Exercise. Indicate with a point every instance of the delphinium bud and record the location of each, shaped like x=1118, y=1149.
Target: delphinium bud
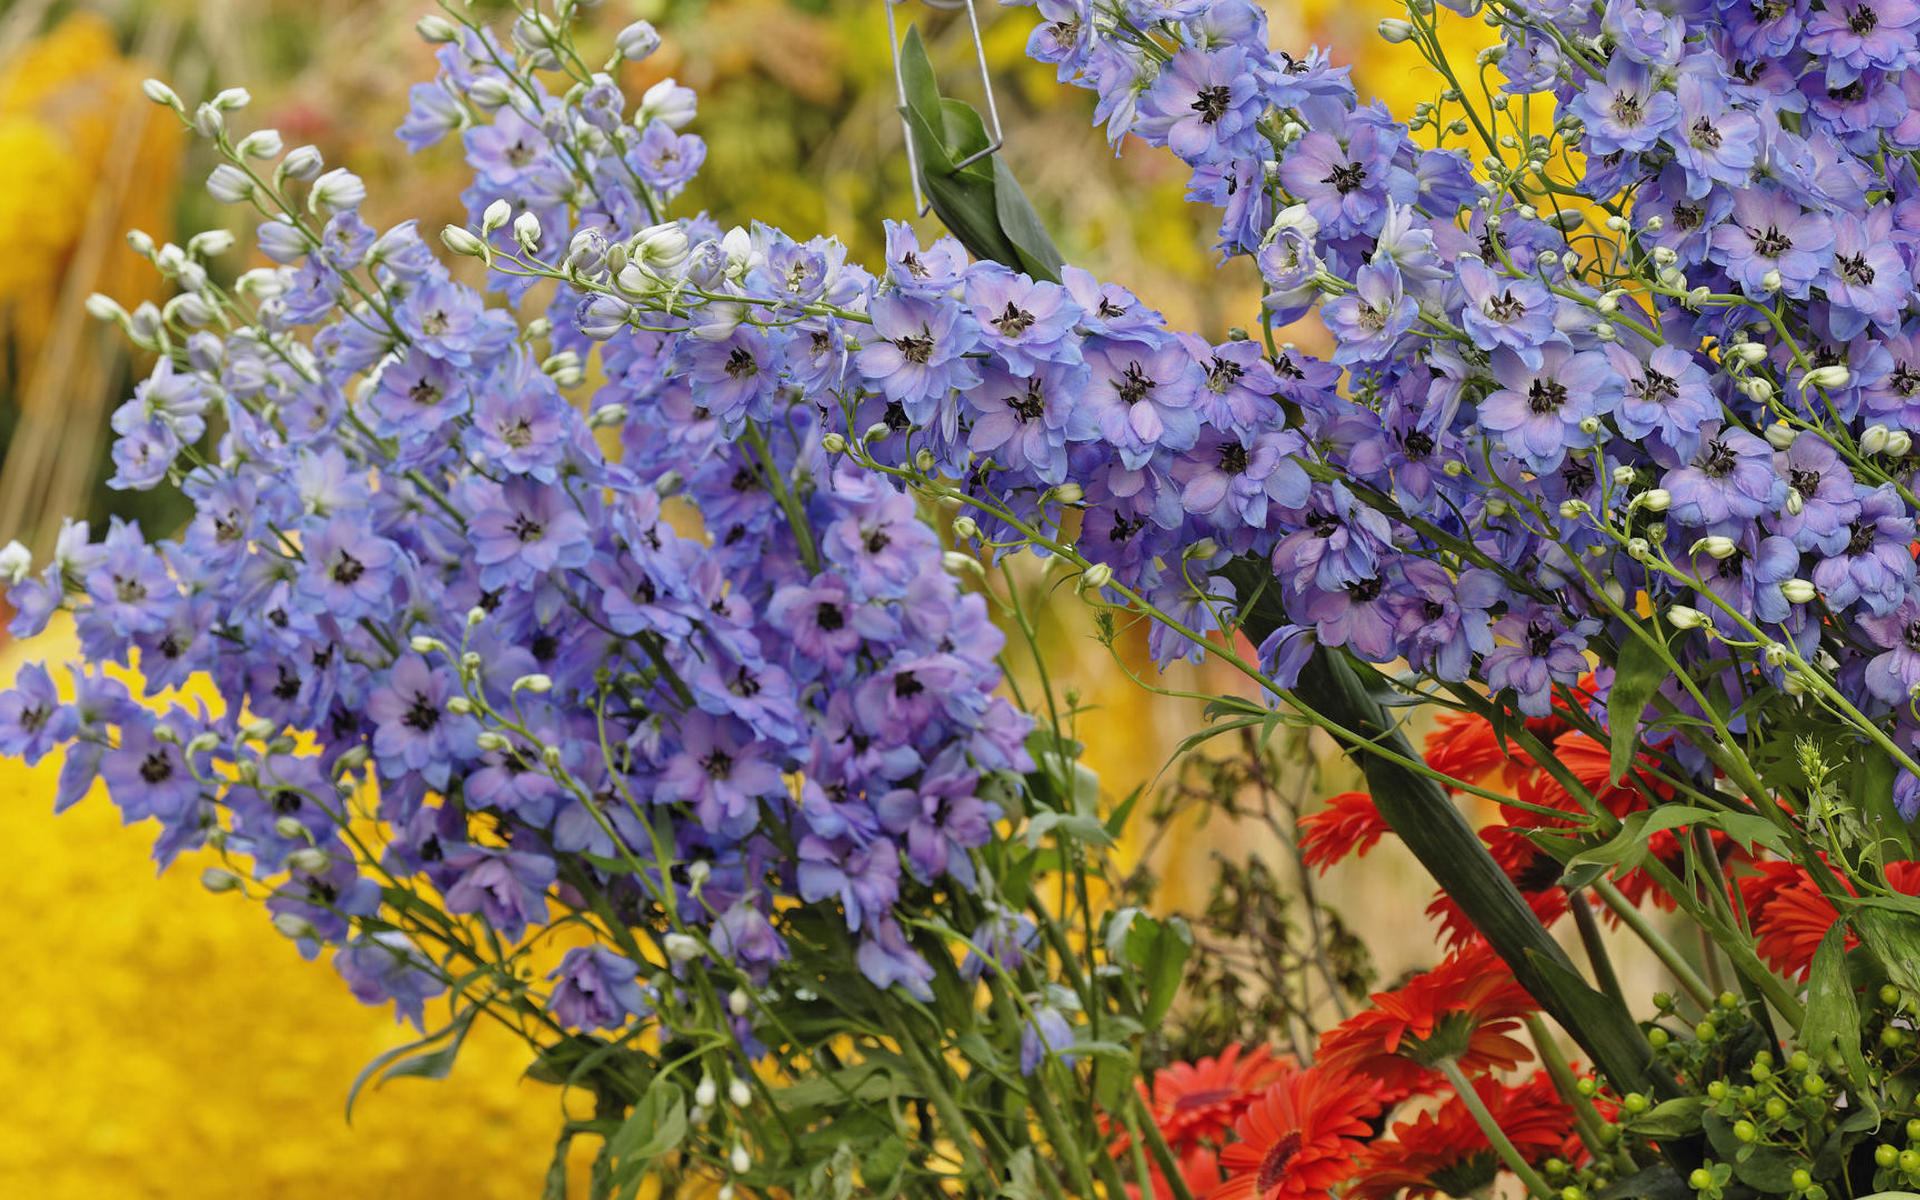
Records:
x=637, y=41
x=293, y=925
x=337, y=191
x=706, y=1092
x=1655, y=499
x=833, y=443
x=1395, y=30
x=739, y=1159
x=1771, y=281
x=496, y=215
x=738, y=1001
x=106, y=308
x=160, y=93
x=436, y=29
x=217, y=880
x=229, y=184
x=208, y=121
x=1835, y=376
x=1873, y=439
x=1682, y=616
x=526, y=231
x=303, y=163
x=1718, y=546
x=1098, y=575
x=668, y=103
x=1750, y=354
x=463, y=242
x=1899, y=442
x=16, y=562
x=261, y=143
x=1795, y=502
x=680, y=947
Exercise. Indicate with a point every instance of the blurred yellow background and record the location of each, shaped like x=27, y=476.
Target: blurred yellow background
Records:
x=162, y=1042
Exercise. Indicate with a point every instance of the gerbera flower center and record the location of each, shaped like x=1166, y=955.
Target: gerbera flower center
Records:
x=1273, y=1168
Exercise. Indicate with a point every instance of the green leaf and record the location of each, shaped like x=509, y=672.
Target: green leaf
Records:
x=867, y=1082
x=1038, y=255
x=1068, y=826
x=1658, y=1182
x=1626, y=849
x=1833, y=1012
x=1159, y=949
x=656, y=1126
x=1766, y=1169
x=1677, y=1117
x=1891, y=931
x=423, y=1063
x=1023, y=1181
x=1638, y=672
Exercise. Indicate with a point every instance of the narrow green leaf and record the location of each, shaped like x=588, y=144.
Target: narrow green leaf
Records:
x=382, y=1064
x=1638, y=673
x=1039, y=257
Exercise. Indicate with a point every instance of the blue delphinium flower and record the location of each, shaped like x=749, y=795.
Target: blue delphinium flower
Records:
x=1200, y=102
x=1731, y=477
x=385, y=967
x=1541, y=649
x=597, y=989
x=1141, y=396
x=918, y=355
x=32, y=717
x=1369, y=322
x=1874, y=567
x=1770, y=234
x=1503, y=311
x=1625, y=111
x=1539, y=411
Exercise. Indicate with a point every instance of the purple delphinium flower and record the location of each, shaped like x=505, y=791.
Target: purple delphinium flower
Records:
x=1892, y=675
x=1440, y=622
x=506, y=887
x=1231, y=482
x=414, y=731
x=598, y=989
x=745, y=937
x=1337, y=540
x=1539, y=410
x=416, y=396
x=1359, y=616
x=885, y=959
x=1667, y=397
x=385, y=966
x=1625, y=112
x=1342, y=184
x=666, y=160
x=1541, y=649
x=1731, y=477
x=1770, y=232
x=1201, y=103
x=1855, y=36
x=1713, y=142
x=351, y=571
x=1748, y=580
x=1021, y=422
x=1829, y=500
x=1141, y=396
x=1368, y=322
x=1023, y=320
x=1874, y=567
x=520, y=421
x=1046, y=1035
x=522, y=526
x=32, y=718
x=1501, y=310
x=722, y=771
x=1868, y=281
x=147, y=777
x=918, y=355
x=865, y=878
x=731, y=377
x=826, y=624
x=940, y=818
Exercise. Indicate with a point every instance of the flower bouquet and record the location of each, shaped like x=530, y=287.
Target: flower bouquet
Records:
x=605, y=636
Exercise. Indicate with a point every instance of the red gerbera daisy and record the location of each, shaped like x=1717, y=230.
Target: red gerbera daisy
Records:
x=1348, y=825
x=1199, y=1101
x=1463, y=1009
x=1199, y=1168
x=1790, y=915
x=1299, y=1138
x=1444, y=1152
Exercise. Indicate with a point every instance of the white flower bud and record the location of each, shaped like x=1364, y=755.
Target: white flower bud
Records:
x=217, y=880
x=1607, y=304
x=833, y=443
x=436, y=29
x=680, y=947
x=526, y=230
x=160, y=93
x=463, y=242
x=1781, y=435
x=1574, y=509
x=1098, y=575
x=739, y=1159
x=261, y=143
x=1497, y=506
x=231, y=99
x=1899, y=442
x=290, y=827
x=1757, y=389
x=303, y=163
x=1771, y=281
x=738, y=1002
x=475, y=615
x=229, y=184
x=1655, y=499
x=1638, y=549
x=459, y=706
x=1683, y=617
x=208, y=121
x=1795, y=502
x=660, y=248
x=1799, y=591
x=424, y=644
x=1623, y=477
x=106, y=308
x=1750, y=354
x=489, y=92
x=1717, y=546
x=16, y=562
x=188, y=310
x=308, y=858
x=668, y=103
x=698, y=871
x=489, y=740
x=1775, y=654
x=1206, y=547
x=739, y=1093
x=957, y=563
x=1656, y=223
x=637, y=41
x=1605, y=332
x=293, y=925
x=1792, y=684
x=923, y=461
x=1874, y=439
x=1663, y=257
x=706, y=1092
x=336, y=191
x=533, y=683
x=607, y=416
x=1067, y=493
x=1835, y=376
x=1396, y=31
x=1589, y=425
x=495, y=216
x=965, y=528
x=211, y=243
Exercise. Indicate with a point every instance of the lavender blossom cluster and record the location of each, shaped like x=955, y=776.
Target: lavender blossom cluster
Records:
x=460, y=650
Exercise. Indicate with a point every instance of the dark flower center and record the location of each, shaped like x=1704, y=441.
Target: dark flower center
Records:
x=877, y=541
x=1029, y=407
x=744, y=684
x=1418, y=445
x=422, y=715
x=1323, y=524
x=128, y=591
x=1657, y=388
x=1863, y=19
x=1848, y=94
x=1861, y=537
x=285, y=802
x=1013, y=322
x=1273, y=1168
x=1704, y=134
x=1854, y=269
x=1348, y=177
x=1626, y=108
x=1125, y=527
x=911, y=262
x=829, y=617
x=156, y=767
x=906, y=686
x=740, y=364
x=286, y=684
x=1545, y=396
x=1212, y=103
x=1505, y=307
x=1134, y=385
x=1433, y=610
x=1109, y=311
x=1233, y=458
x=895, y=416
x=1719, y=460
x=718, y=764
x=1366, y=591
x=1910, y=636
x=424, y=393
x=1906, y=380
x=526, y=528
x=1803, y=481
x=348, y=569
x=1539, y=640
x=1688, y=216
x=35, y=719
x=916, y=348
x=1770, y=243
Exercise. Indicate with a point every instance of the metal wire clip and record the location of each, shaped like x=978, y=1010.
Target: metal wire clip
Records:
x=920, y=202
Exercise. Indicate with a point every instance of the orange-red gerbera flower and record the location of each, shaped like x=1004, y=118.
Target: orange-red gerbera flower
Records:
x=1199, y=1101
x=1199, y=1168
x=1444, y=1152
x=1790, y=915
x=1463, y=1009
x=1299, y=1138
x=1348, y=825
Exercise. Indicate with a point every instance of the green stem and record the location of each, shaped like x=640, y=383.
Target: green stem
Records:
x=1664, y=950
x=1502, y=1144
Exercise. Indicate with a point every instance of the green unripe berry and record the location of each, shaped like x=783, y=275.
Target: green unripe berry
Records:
x=1799, y=1061
x=1802, y=1180
x=1762, y=1071
x=1717, y=1089
x=1749, y=1096
x=1913, y=1130
x=1704, y=1031
x=1816, y=1192
x=1909, y=1161
x=1889, y=995
x=1555, y=1166
x=1746, y=1131
x=1634, y=1103
x=1728, y=1001
x=1891, y=1037
x=1658, y=1038
x=1609, y=1134
x=1763, y=1059
x=1571, y=1192
x=1813, y=1085
x=1776, y=1108
x=1885, y=1155
x=1586, y=1087
x=1700, y=1180
x=1663, y=1000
